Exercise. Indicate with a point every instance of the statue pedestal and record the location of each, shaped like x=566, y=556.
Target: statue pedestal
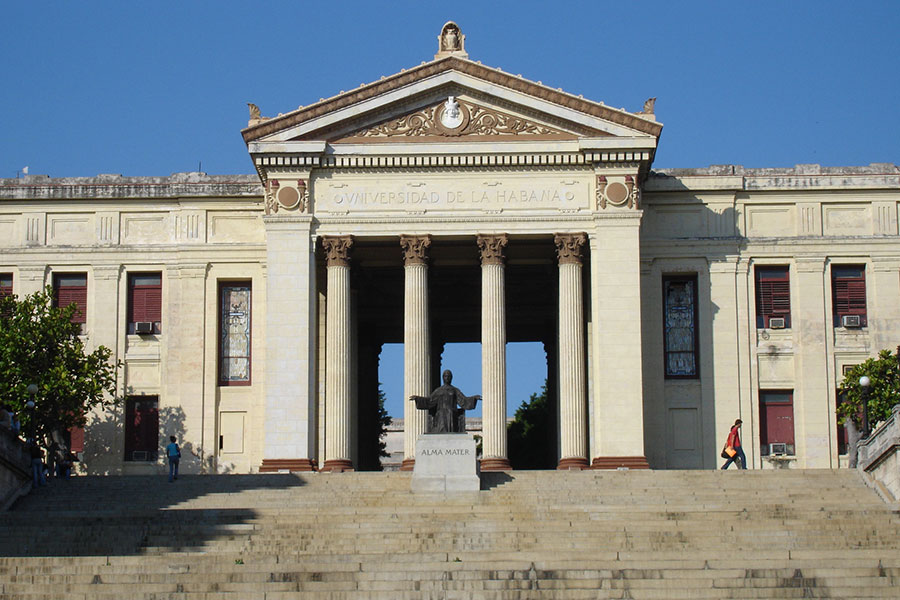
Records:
x=445, y=462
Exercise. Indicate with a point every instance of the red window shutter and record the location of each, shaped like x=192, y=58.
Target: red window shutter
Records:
x=850, y=297
x=76, y=437
x=146, y=304
x=73, y=295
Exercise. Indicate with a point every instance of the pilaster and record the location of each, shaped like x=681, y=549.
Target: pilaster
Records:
x=720, y=384
x=290, y=344
x=884, y=308
x=183, y=385
x=617, y=377
x=812, y=388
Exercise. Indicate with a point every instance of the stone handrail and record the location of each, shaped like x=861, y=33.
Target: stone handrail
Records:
x=879, y=454
x=15, y=468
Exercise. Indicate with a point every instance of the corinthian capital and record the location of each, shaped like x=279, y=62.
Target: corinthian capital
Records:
x=337, y=250
x=415, y=249
x=491, y=247
x=568, y=247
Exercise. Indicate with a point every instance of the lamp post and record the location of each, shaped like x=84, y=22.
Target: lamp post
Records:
x=32, y=390
x=864, y=383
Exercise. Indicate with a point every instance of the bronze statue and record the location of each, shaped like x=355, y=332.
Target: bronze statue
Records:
x=446, y=407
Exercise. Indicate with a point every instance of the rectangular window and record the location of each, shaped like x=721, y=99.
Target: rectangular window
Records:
x=773, y=297
x=680, y=326
x=145, y=302
x=71, y=288
x=848, y=287
x=142, y=428
x=6, y=280
x=776, y=422
x=234, y=333
x=841, y=430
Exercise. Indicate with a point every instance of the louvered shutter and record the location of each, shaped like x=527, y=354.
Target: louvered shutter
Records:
x=72, y=294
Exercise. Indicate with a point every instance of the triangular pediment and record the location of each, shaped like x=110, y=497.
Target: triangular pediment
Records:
x=458, y=118
x=414, y=106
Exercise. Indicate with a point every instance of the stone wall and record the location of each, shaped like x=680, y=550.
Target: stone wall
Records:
x=879, y=456
x=15, y=468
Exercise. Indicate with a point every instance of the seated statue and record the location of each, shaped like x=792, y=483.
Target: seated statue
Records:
x=446, y=407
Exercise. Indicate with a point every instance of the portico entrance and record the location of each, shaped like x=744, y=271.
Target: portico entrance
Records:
x=452, y=203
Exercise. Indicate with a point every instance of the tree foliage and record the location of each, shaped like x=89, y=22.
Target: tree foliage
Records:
x=531, y=434
x=373, y=423
x=39, y=344
x=884, y=389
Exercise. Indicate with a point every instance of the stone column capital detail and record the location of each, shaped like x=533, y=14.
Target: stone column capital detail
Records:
x=569, y=246
x=491, y=247
x=415, y=249
x=337, y=250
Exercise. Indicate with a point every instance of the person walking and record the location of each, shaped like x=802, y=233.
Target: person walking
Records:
x=37, y=465
x=173, y=452
x=734, y=442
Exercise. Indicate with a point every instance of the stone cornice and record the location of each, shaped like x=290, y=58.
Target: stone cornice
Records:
x=116, y=187
x=800, y=177
x=430, y=69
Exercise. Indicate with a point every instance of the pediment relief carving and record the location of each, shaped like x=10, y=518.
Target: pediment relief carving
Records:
x=456, y=118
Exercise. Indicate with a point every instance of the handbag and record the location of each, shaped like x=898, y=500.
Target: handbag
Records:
x=728, y=452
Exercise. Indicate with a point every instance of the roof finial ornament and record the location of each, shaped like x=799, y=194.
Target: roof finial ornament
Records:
x=451, y=42
x=649, y=106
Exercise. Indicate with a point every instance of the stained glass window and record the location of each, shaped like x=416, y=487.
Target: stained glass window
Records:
x=234, y=334
x=680, y=295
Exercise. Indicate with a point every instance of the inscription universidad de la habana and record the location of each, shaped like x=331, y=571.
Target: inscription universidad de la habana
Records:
x=491, y=197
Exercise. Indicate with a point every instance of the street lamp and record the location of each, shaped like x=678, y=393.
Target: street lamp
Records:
x=864, y=383
x=32, y=390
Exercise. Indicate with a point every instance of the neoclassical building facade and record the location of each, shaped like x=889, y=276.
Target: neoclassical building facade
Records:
x=453, y=202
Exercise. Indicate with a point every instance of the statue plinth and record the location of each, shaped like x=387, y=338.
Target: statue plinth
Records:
x=445, y=462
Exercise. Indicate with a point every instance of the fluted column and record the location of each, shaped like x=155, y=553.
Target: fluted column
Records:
x=338, y=355
x=493, y=352
x=572, y=390
x=416, y=343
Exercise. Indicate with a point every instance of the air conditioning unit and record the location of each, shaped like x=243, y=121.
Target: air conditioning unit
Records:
x=777, y=448
x=143, y=327
x=777, y=323
x=851, y=321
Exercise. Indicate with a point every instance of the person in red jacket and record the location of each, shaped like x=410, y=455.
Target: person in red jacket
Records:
x=734, y=441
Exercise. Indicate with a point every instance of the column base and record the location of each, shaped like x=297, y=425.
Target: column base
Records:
x=408, y=464
x=620, y=462
x=274, y=465
x=337, y=465
x=495, y=464
x=573, y=464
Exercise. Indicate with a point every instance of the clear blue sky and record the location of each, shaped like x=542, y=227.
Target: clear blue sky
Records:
x=151, y=88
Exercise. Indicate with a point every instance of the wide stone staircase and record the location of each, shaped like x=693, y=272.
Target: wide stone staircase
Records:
x=525, y=535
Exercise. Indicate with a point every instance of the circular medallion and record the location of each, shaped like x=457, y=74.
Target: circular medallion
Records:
x=452, y=117
x=617, y=193
x=288, y=197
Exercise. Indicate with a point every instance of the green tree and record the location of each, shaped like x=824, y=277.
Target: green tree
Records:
x=531, y=434
x=883, y=393
x=373, y=427
x=40, y=345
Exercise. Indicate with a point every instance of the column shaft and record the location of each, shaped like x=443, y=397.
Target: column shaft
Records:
x=493, y=353
x=416, y=342
x=338, y=358
x=416, y=357
x=572, y=381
